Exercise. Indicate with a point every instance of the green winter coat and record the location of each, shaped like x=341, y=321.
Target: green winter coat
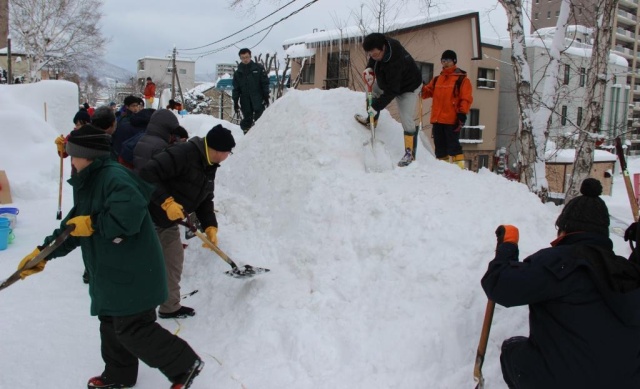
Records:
x=123, y=256
x=250, y=85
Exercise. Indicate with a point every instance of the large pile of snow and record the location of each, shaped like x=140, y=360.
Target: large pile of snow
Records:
x=375, y=277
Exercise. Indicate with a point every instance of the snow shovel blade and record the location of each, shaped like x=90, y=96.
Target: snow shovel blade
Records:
x=376, y=157
x=248, y=272
x=40, y=257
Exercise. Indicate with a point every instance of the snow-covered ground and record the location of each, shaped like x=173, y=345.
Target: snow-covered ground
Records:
x=375, y=277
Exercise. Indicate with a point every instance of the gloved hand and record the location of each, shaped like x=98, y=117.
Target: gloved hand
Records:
x=507, y=234
x=36, y=269
x=368, y=76
x=630, y=233
x=83, y=226
x=265, y=101
x=424, y=92
x=61, y=142
x=372, y=111
x=212, y=234
x=236, y=107
x=174, y=210
x=462, y=118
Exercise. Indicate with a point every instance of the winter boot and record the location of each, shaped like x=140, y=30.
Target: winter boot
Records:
x=458, y=160
x=184, y=381
x=445, y=159
x=101, y=382
x=181, y=313
x=409, y=149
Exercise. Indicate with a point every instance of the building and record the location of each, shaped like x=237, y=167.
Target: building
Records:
x=225, y=68
x=624, y=43
x=160, y=70
x=335, y=58
x=4, y=22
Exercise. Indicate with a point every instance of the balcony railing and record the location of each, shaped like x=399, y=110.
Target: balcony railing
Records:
x=471, y=134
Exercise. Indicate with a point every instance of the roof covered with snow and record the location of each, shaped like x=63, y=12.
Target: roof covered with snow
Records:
x=569, y=155
x=357, y=31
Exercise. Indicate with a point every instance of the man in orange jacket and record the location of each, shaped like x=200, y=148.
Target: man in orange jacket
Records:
x=452, y=99
x=149, y=93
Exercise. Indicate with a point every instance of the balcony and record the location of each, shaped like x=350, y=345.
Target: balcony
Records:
x=627, y=18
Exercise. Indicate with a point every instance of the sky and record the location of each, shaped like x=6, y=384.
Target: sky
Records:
x=136, y=29
x=375, y=277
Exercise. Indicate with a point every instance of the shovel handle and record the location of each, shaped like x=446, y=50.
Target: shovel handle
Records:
x=482, y=345
x=208, y=242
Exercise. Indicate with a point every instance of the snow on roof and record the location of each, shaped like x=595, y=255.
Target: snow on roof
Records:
x=166, y=59
x=569, y=155
x=203, y=87
x=357, y=31
x=14, y=51
x=299, y=51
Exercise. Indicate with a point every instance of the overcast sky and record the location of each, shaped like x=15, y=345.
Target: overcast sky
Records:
x=138, y=29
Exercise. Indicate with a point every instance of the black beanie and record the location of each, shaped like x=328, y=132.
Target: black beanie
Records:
x=586, y=213
x=450, y=54
x=220, y=139
x=82, y=115
x=88, y=142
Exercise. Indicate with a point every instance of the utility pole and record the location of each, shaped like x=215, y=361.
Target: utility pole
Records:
x=173, y=75
x=9, y=75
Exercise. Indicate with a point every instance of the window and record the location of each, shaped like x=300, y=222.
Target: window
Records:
x=548, y=14
x=536, y=16
x=426, y=69
x=182, y=71
x=579, y=118
x=472, y=129
x=563, y=118
x=567, y=73
x=557, y=13
x=140, y=65
x=338, y=66
x=486, y=78
x=169, y=70
x=583, y=76
x=308, y=75
x=483, y=161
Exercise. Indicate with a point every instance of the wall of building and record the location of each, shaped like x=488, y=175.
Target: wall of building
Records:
x=159, y=70
x=4, y=22
x=558, y=176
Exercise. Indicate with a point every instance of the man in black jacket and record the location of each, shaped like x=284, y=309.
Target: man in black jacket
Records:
x=584, y=303
x=394, y=75
x=250, y=90
x=184, y=177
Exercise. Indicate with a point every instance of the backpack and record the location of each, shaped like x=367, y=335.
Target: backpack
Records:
x=456, y=87
x=126, y=154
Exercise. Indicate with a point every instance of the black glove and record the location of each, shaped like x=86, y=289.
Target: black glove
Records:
x=462, y=118
x=630, y=233
x=265, y=100
x=236, y=107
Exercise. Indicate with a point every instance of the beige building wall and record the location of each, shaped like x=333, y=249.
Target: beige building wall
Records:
x=4, y=22
x=558, y=176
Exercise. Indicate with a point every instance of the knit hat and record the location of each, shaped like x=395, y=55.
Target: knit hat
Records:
x=88, y=142
x=220, y=139
x=450, y=54
x=82, y=115
x=586, y=213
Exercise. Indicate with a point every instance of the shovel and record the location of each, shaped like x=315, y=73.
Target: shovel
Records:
x=247, y=272
x=376, y=158
x=482, y=346
x=40, y=257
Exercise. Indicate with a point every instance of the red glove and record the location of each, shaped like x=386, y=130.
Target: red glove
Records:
x=507, y=233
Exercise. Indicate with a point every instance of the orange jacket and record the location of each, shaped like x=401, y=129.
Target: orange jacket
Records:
x=150, y=90
x=446, y=105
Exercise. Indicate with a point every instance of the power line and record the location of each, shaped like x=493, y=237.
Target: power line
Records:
x=204, y=54
x=237, y=32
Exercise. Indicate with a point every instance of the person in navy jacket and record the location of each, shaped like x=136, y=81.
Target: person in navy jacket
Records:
x=584, y=303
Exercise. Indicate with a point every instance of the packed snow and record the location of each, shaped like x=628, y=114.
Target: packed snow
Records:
x=375, y=277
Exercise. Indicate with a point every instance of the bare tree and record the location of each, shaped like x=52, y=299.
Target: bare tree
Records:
x=596, y=87
x=60, y=33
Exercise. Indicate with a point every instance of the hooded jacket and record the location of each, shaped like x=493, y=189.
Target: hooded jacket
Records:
x=584, y=313
x=448, y=101
x=156, y=138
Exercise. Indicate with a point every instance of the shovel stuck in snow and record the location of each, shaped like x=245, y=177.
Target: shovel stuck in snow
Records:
x=376, y=158
x=482, y=345
x=40, y=257
x=247, y=272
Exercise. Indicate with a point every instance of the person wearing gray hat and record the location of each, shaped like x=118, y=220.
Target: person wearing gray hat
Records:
x=584, y=303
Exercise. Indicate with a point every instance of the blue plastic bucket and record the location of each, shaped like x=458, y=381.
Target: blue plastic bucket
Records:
x=11, y=214
x=4, y=237
x=11, y=210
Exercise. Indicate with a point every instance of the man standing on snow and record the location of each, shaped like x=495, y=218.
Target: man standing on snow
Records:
x=394, y=75
x=149, y=93
x=584, y=303
x=452, y=99
x=250, y=89
x=127, y=277
x=184, y=176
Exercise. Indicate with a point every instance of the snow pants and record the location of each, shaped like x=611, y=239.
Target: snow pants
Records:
x=406, y=108
x=250, y=114
x=173, y=260
x=127, y=339
x=446, y=140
